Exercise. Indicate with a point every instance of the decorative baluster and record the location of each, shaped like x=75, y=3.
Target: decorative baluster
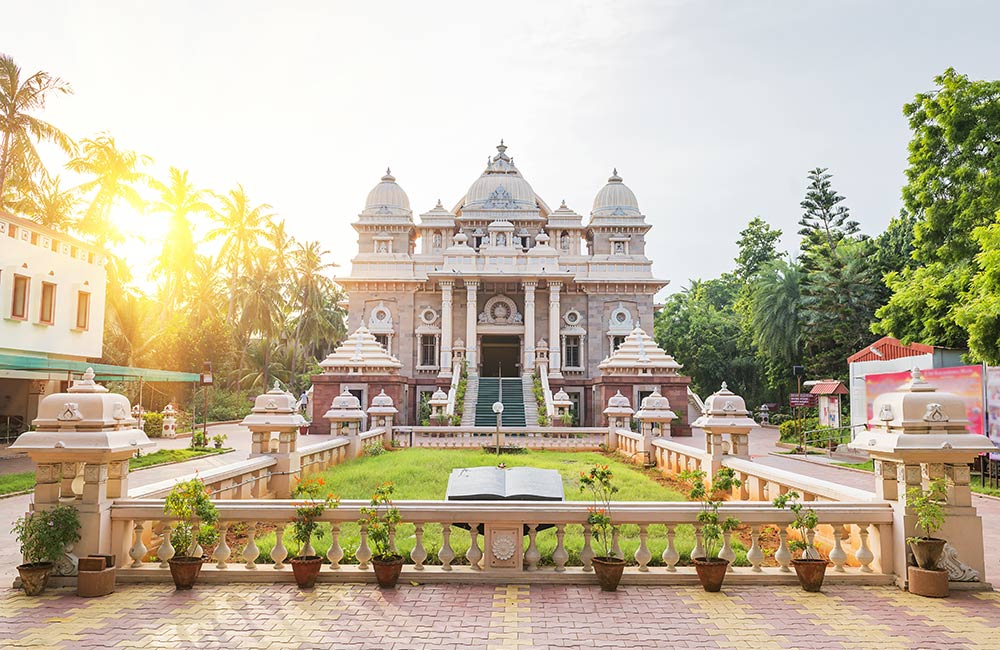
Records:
x=251, y=551
x=838, y=556
x=670, y=555
x=755, y=556
x=864, y=555
x=419, y=553
x=196, y=550
x=642, y=554
x=474, y=555
x=783, y=556
x=335, y=553
x=727, y=552
x=167, y=549
x=560, y=556
x=138, y=550
x=616, y=549
x=699, y=544
x=532, y=555
x=222, y=550
x=363, y=554
x=446, y=554
x=279, y=552
x=811, y=552
x=587, y=553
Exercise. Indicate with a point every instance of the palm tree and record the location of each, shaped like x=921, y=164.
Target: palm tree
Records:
x=204, y=290
x=115, y=172
x=134, y=326
x=48, y=203
x=775, y=301
x=18, y=99
x=309, y=286
x=241, y=227
x=179, y=200
x=263, y=302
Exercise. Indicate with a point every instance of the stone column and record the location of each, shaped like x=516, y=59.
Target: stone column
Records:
x=555, y=354
x=445, y=349
x=529, y=327
x=471, y=319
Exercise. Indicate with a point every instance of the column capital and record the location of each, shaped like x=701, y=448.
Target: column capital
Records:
x=471, y=285
x=555, y=286
x=530, y=285
x=446, y=284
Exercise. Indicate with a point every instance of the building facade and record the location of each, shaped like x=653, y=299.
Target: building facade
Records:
x=52, y=294
x=502, y=279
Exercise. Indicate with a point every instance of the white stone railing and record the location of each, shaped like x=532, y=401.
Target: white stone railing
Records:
x=862, y=552
x=456, y=378
x=531, y=437
x=543, y=377
x=245, y=479
x=673, y=457
x=628, y=443
x=763, y=483
x=317, y=457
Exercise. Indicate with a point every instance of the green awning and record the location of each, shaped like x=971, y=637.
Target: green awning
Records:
x=102, y=371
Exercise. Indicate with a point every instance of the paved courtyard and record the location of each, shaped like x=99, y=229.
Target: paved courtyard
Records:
x=443, y=617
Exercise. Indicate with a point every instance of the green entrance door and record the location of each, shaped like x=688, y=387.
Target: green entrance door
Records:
x=501, y=356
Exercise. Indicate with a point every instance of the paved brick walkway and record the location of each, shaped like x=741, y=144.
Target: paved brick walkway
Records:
x=443, y=617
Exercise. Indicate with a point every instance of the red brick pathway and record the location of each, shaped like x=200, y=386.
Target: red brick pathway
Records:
x=444, y=617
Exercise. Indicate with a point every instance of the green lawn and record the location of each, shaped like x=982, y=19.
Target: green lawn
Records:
x=869, y=466
x=11, y=483
x=423, y=474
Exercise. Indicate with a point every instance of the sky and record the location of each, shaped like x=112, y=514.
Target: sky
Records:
x=713, y=112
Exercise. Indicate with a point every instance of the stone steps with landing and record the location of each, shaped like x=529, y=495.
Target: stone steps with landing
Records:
x=469, y=406
x=511, y=396
x=530, y=405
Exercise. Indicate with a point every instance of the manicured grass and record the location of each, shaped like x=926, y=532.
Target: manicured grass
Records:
x=869, y=466
x=423, y=474
x=11, y=483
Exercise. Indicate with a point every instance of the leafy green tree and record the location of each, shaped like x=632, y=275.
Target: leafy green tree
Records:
x=825, y=221
x=179, y=201
x=757, y=247
x=19, y=100
x=979, y=312
x=241, y=228
x=775, y=319
x=46, y=202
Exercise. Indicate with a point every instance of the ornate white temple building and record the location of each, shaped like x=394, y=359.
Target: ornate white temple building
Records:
x=504, y=281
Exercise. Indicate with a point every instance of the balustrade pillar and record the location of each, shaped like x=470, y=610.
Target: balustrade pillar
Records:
x=471, y=320
x=447, y=287
x=529, y=327
x=555, y=354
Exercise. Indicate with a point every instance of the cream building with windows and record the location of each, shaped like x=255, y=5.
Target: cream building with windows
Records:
x=504, y=280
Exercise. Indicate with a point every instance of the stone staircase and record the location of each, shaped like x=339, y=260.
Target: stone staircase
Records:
x=530, y=405
x=512, y=398
x=469, y=406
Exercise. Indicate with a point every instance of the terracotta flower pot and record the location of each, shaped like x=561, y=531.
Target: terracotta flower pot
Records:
x=306, y=568
x=387, y=570
x=711, y=572
x=609, y=572
x=932, y=583
x=927, y=552
x=34, y=577
x=810, y=572
x=184, y=570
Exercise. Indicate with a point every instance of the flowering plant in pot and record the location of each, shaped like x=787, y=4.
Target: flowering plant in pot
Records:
x=43, y=536
x=710, y=567
x=380, y=521
x=810, y=566
x=928, y=506
x=306, y=564
x=607, y=567
x=189, y=503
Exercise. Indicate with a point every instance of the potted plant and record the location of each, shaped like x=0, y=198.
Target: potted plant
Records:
x=380, y=520
x=711, y=568
x=810, y=566
x=607, y=567
x=306, y=564
x=219, y=439
x=188, y=502
x=43, y=536
x=926, y=579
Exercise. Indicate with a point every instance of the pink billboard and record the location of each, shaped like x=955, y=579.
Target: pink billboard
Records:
x=964, y=381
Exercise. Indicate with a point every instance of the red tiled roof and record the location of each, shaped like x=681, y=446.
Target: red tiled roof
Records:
x=829, y=387
x=889, y=348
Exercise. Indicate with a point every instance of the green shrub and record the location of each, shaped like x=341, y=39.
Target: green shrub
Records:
x=45, y=534
x=374, y=448
x=153, y=424
x=789, y=430
x=779, y=418
x=424, y=412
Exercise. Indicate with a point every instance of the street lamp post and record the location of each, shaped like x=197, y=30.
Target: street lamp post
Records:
x=206, y=381
x=498, y=409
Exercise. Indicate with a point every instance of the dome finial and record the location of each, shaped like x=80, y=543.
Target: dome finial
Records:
x=615, y=178
x=388, y=175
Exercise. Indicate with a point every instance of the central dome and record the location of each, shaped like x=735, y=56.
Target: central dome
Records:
x=388, y=198
x=501, y=187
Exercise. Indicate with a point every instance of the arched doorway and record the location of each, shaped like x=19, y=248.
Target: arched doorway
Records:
x=501, y=356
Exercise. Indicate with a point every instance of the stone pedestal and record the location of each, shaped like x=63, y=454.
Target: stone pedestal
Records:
x=346, y=418
x=275, y=413
x=503, y=547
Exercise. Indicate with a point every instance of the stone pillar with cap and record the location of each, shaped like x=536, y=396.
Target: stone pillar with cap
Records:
x=93, y=431
x=169, y=421
x=561, y=404
x=726, y=414
x=529, y=326
x=619, y=413
x=922, y=434
x=381, y=414
x=654, y=416
x=438, y=403
x=447, y=288
x=346, y=419
x=276, y=412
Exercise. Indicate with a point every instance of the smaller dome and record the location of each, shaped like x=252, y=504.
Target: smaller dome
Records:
x=618, y=405
x=388, y=199
x=439, y=397
x=382, y=405
x=655, y=402
x=615, y=199
x=725, y=402
x=345, y=408
x=382, y=399
x=346, y=401
x=561, y=398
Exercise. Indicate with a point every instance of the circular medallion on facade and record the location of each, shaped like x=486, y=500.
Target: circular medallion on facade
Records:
x=503, y=546
x=500, y=311
x=572, y=317
x=428, y=315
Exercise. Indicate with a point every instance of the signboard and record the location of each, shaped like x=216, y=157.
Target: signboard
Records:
x=796, y=400
x=829, y=411
x=993, y=404
x=964, y=381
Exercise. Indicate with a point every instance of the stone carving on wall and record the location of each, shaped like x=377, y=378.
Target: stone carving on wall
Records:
x=71, y=411
x=500, y=199
x=958, y=571
x=380, y=319
x=500, y=310
x=621, y=320
x=503, y=546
